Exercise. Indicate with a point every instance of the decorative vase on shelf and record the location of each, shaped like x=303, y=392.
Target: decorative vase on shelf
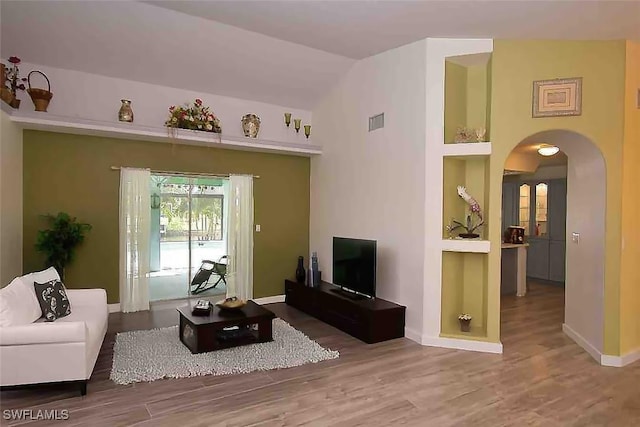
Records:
x=465, y=322
x=40, y=97
x=5, y=92
x=6, y=95
x=251, y=125
x=301, y=274
x=469, y=235
x=15, y=102
x=125, y=114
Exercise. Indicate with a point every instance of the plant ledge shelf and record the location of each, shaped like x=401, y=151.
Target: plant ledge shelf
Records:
x=78, y=126
x=466, y=149
x=466, y=245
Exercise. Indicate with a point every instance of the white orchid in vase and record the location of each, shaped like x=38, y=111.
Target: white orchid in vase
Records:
x=470, y=224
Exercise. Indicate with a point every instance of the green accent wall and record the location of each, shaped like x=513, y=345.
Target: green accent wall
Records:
x=477, y=96
x=515, y=65
x=464, y=275
x=629, y=272
x=71, y=173
x=467, y=98
x=455, y=99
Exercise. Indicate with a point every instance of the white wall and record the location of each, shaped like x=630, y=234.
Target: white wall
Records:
x=10, y=200
x=437, y=50
x=96, y=97
x=586, y=192
x=586, y=208
x=371, y=184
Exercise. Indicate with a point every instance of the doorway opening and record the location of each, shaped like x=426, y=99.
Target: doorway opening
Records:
x=558, y=202
x=188, y=231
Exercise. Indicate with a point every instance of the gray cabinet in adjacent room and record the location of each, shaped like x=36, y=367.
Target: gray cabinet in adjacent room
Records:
x=538, y=258
x=541, y=207
x=557, y=209
x=510, y=194
x=557, y=261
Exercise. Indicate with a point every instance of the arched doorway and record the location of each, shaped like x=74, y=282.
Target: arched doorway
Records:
x=584, y=231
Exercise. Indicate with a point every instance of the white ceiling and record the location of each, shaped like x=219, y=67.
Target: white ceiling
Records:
x=283, y=52
x=357, y=29
x=141, y=42
x=531, y=147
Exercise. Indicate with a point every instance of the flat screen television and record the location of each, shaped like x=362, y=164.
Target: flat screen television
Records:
x=354, y=265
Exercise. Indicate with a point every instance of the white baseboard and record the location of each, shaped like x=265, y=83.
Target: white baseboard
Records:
x=269, y=300
x=461, y=344
x=620, y=361
x=114, y=308
x=582, y=342
x=412, y=335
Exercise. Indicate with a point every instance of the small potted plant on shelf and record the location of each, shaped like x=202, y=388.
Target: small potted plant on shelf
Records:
x=194, y=117
x=473, y=220
x=465, y=322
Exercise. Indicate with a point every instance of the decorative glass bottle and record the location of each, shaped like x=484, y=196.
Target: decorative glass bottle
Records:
x=125, y=114
x=300, y=271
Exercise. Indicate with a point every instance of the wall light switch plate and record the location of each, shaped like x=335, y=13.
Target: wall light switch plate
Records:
x=575, y=238
x=257, y=228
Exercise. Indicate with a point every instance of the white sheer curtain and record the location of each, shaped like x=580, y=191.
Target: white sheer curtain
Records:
x=135, y=230
x=240, y=237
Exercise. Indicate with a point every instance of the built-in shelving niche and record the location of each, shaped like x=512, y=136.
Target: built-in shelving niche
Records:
x=464, y=290
x=465, y=262
x=467, y=94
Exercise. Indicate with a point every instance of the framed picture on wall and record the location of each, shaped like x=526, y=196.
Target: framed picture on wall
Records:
x=557, y=97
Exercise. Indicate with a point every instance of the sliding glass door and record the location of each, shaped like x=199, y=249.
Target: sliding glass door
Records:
x=188, y=231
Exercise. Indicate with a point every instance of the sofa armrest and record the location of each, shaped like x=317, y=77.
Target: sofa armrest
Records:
x=95, y=296
x=43, y=333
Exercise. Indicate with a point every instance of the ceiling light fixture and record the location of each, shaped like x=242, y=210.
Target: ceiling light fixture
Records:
x=548, y=150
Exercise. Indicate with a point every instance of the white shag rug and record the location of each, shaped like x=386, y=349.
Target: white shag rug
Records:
x=140, y=356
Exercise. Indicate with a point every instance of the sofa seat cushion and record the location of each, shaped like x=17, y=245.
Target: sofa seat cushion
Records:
x=87, y=314
x=95, y=319
x=43, y=333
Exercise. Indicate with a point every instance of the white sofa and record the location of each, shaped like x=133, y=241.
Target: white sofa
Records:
x=33, y=351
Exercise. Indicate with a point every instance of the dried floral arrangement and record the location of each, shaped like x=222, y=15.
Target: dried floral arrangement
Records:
x=11, y=75
x=194, y=117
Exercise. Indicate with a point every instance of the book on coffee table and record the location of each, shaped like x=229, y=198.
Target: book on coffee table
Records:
x=202, y=308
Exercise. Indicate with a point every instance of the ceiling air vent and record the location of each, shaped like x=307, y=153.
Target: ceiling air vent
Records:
x=376, y=122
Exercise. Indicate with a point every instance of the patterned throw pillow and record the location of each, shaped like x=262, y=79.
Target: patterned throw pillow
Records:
x=53, y=300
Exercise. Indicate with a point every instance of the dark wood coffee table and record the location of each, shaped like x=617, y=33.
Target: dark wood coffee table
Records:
x=207, y=333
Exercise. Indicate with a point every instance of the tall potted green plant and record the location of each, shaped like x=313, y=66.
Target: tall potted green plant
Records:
x=59, y=242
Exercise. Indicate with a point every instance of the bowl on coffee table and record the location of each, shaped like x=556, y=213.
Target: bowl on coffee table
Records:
x=231, y=304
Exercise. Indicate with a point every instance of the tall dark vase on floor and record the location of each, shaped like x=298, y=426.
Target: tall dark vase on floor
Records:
x=300, y=271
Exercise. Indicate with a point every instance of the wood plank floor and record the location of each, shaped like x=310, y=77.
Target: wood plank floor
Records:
x=543, y=378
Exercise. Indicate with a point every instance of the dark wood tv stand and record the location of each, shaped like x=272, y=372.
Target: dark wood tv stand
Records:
x=370, y=320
